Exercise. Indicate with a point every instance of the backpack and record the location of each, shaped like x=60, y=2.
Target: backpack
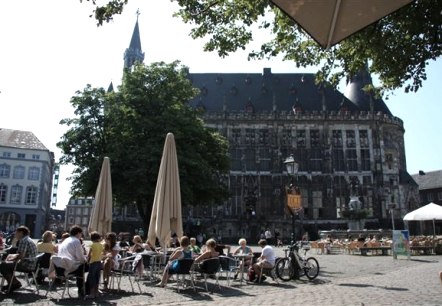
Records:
x=251, y=274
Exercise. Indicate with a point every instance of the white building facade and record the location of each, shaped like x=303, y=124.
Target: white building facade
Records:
x=26, y=172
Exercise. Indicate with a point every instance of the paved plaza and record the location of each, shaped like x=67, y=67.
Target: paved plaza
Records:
x=343, y=280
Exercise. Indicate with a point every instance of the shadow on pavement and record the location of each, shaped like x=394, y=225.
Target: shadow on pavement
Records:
x=424, y=260
x=367, y=285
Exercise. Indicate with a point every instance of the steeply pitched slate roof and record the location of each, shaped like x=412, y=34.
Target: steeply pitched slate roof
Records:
x=264, y=92
x=429, y=180
x=20, y=139
x=354, y=93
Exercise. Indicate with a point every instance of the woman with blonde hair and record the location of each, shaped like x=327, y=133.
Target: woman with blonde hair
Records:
x=244, y=250
x=46, y=245
x=209, y=252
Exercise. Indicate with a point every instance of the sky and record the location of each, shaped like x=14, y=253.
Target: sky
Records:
x=51, y=49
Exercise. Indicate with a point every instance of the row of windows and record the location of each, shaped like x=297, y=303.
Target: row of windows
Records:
x=432, y=197
x=301, y=137
x=309, y=160
x=21, y=155
x=16, y=194
x=78, y=211
x=18, y=172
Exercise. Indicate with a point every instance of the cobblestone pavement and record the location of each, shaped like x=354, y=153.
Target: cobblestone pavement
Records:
x=343, y=280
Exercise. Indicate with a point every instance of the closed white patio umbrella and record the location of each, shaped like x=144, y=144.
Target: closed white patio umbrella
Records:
x=166, y=217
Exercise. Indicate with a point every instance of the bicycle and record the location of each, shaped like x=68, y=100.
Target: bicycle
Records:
x=293, y=265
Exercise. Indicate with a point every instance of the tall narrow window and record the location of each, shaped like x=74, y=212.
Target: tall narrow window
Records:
x=31, y=195
x=351, y=142
x=19, y=172
x=34, y=174
x=314, y=139
x=300, y=138
x=365, y=160
x=16, y=192
x=236, y=136
x=3, y=191
x=352, y=160
x=337, y=138
x=286, y=138
x=363, y=138
x=338, y=160
x=4, y=170
x=316, y=160
x=250, y=136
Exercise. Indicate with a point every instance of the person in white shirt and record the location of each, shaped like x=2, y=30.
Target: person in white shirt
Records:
x=72, y=249
x=266, y=260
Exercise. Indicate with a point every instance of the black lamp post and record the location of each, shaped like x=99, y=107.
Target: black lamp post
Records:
x=293, y=194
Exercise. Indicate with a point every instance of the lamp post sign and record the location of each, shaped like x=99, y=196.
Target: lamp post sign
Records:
x=294, y=201
x=293, y=193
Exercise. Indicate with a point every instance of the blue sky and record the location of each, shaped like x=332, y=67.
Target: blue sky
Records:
x=51, y=48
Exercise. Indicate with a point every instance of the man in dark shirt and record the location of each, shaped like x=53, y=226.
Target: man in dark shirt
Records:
x=25, y=258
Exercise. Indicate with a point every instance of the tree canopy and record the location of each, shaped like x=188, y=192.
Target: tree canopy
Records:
x=397, y=48
x=130, y=126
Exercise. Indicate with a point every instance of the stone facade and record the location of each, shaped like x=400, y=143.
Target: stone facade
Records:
x=342, y=147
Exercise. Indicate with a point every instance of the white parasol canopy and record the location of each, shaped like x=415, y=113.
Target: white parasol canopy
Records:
x=330, y=21
x=166, y=215
x=101, y=216
x=430, y=211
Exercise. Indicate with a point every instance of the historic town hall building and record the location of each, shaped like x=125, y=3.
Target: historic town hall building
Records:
x=346, y=145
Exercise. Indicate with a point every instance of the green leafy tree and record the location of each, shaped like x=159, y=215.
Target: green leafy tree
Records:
x=397, y=48
x=133, y=123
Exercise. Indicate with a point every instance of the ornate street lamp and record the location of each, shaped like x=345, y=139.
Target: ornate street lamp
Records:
x=293, y=193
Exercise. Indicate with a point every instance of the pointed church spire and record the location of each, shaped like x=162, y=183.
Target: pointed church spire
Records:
x=134, y=53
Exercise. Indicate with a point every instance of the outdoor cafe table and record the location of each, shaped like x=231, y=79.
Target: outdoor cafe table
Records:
x=242, y=257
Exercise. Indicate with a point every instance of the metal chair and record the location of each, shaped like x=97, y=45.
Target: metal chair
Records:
x=62, y=277
x=127, y=267
x=184, y=269
x=27, y=272
x=210, y=267
x=228, y=265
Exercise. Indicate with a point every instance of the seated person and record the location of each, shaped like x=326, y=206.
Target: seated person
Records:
x=180, y=252
x=27, y=249
x=220, y=248
x=265, y=261
x=137, y=246
x=47, y=245
x=209, y=251
x=245, y=250
x=194, y=247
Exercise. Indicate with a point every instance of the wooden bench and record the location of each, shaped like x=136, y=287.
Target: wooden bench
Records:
x=385, y=250
x=424, y=249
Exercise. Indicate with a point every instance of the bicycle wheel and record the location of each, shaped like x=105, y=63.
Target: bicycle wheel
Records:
x=284, y=269
x=311, y=268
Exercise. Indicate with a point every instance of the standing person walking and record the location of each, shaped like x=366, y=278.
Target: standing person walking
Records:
x=95, y=266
